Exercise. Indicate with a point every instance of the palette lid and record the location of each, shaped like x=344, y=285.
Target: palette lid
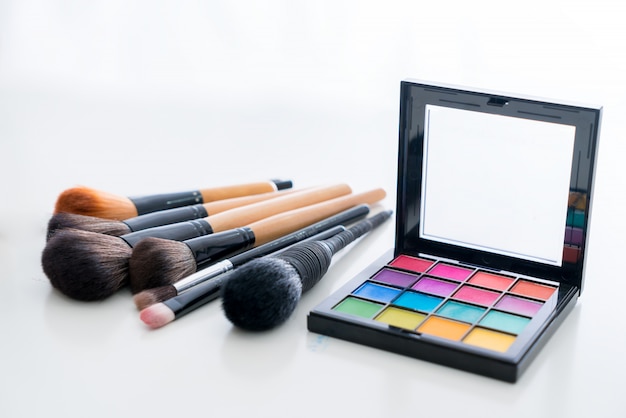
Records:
x=496, y=180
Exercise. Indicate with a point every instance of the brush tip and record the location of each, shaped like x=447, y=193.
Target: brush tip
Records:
x=156, y=316
x=91, y=202
x=149, y=297
x=261, y=294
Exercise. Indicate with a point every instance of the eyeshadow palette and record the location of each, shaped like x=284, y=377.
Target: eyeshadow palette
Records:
x=494, y=197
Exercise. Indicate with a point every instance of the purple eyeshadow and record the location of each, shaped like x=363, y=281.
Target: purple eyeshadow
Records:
x=395, y=278
x=434, y=287
x=519, y=305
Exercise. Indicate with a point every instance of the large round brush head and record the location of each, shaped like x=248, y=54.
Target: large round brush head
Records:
x=85, y=265
x=263, y=293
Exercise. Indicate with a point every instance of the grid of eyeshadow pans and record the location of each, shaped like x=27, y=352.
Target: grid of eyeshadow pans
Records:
x=470, y=306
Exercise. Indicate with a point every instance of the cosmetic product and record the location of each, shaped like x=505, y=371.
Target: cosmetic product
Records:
x=494, y=196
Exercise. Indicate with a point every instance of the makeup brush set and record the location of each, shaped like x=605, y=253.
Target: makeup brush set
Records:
x=178, y=251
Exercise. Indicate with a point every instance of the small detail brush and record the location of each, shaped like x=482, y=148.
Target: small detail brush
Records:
x=90, y=266
x=154, y=263
x=153, y=219
x=263, y=293
x=92, y=202
x=180, y=256
x=160, y=314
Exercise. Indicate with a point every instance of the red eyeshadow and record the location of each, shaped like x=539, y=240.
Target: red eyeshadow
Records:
x=533, y=290
x=411, y=263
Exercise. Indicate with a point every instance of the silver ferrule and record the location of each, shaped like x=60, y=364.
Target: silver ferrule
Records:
x=203, y=275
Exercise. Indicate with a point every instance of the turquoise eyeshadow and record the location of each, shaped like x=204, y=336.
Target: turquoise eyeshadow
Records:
x=461, y=311
x=418, y=301
x=505, y=322
x=376, y=292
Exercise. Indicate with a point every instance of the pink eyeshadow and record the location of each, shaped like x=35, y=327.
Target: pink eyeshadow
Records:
x=450, y=272
x=475, y=295
x=519, y=305
x=411, y=263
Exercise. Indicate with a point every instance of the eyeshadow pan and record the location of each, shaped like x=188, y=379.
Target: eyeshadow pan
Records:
x=401, y=318
x=461, y=311
x=358, y=307
x=533, y=290
x=376, y=292
x=418, y=301
x=490, y=280
x=393, y=277
x=448, y=271
x=505, y=322
x=488, y=339
x=411, y=263
x=443, y=328
x=519, y=305
x=476, y=295
x=434, y=287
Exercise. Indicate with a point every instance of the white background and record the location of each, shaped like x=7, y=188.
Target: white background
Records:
x=139, y=97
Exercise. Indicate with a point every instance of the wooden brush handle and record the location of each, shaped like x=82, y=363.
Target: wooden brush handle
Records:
x=225, y=192
x=242, y=216
x=276, y=226
x=223, y=205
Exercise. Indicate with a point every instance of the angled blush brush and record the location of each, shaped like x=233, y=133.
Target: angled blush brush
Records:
x=159, y=314
x=155, y=262
x=92, y=202
x=263, y=293
x=90, y=266
x=153, y=219
x=154, y=295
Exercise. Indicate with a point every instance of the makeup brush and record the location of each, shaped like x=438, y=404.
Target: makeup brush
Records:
x=92, y=202
x=263, y=293
x=154, y=295
x=157, y=315
x=90, y=266
x=153, y=219
x=155, y=262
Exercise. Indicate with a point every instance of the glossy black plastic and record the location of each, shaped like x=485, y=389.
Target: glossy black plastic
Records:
x=166, y=217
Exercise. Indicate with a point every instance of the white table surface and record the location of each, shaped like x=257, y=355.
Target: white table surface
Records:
x=147, y=97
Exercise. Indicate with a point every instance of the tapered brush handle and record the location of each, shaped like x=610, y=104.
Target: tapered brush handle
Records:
x=245, y=215
x=276, y=226
x=343, y=239
x=220, y=193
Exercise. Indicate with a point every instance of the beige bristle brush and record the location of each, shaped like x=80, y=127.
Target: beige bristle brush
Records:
x=153, y=219
x=157, y=265
x=86, y=265
x=87, y=201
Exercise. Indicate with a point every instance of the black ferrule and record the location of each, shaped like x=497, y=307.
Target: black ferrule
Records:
x=282, y=184
x=153, y=203
x=220, y=245
x=166, y=217
x=197, y=296
x=177, y=232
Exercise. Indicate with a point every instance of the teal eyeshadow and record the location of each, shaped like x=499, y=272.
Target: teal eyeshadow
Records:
x=418, y=301
x=461, y=311
x=505, y=322
x=376, y=292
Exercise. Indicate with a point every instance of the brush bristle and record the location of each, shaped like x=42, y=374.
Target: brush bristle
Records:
x=91, y=202
x=261, y=294
x=150, y=297
x=85, y=265
x=63, y=220
x=157, y=262
x=157, y=316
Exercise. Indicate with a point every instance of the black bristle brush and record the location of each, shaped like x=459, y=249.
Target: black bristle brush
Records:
x=263, y=293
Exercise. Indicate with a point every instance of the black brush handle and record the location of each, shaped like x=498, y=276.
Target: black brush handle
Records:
x=177, y=232
x=343, y=239
x=153, y=203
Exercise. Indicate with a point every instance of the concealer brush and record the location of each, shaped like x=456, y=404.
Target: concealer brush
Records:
x=90, y=266
x=153, y=219
x=264, y=292
x=151, y=296
x=87, y=201
x=155, y=262
x=160, y=314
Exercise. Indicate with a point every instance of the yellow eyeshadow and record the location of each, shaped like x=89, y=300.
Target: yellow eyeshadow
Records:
x=491, y=340
x=444, y=328
x=400, y=318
